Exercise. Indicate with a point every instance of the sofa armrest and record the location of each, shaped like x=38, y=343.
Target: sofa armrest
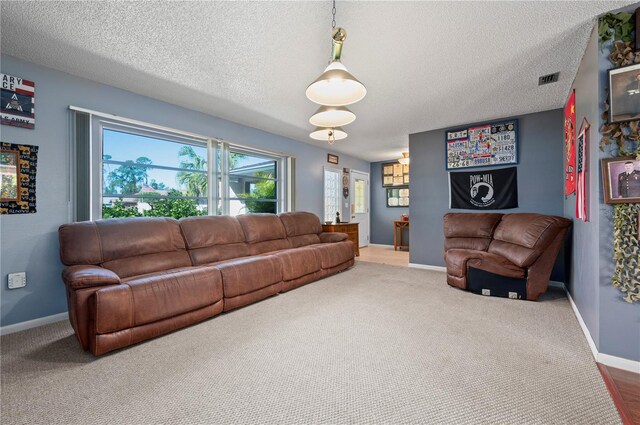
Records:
x=329, y=237
x=78, y=277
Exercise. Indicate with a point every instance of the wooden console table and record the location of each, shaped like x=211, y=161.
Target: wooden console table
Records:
x=351, y=229
x=398, y=227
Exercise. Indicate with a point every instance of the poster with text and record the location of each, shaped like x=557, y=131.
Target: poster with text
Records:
x=18, y=102
x=570, y=145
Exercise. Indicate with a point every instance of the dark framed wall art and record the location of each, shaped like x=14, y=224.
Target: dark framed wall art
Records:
x=398, y=197
x=395, y=174
x=18, y=178
x=624, y=93
x=621, y=180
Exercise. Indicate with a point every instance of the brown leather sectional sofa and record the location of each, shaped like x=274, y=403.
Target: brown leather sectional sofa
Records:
x=513, y=254
x=133, y=279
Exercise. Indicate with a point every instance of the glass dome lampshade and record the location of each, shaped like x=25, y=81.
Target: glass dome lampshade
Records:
x=332, y=116
x=329, y=134
x=405, y=158
x=336, y=87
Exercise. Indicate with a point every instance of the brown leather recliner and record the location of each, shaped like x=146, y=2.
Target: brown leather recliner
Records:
x=133, y=279
x=505, y=251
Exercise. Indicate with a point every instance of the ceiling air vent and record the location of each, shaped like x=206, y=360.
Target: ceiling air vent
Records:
x=548, y=79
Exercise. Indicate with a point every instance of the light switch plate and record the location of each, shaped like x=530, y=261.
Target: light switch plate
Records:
x=17, y=280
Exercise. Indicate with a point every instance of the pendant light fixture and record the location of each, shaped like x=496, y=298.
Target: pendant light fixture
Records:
x=332, y=116
x=330, y=134
x=405, y=158
x=334, y=89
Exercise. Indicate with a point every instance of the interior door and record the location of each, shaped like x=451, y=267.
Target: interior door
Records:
x=360, y=204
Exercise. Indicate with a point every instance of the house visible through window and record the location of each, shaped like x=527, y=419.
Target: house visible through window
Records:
x=145, y=175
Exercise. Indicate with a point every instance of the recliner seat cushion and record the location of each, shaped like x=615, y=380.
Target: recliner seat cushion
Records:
x=298, y=262
x=334, y=254
x=155, y=297
x=246, y=275
x=459, y=260
x=522, y=237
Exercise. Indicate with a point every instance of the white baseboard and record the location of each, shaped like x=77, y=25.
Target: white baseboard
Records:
x=605, y=359
x=583, y=326
x=380, y=245
x=428, y=267
x=619, y=362
x=29, y=324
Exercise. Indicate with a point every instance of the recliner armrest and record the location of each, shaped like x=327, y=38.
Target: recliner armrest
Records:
x=329, y=237
x=78, y=277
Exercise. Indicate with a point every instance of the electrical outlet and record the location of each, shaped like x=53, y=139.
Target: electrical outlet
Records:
x=17, y=280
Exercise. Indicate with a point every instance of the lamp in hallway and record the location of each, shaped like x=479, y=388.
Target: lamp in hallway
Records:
x=405, y=158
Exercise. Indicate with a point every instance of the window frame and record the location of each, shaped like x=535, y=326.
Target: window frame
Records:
x=217, y=171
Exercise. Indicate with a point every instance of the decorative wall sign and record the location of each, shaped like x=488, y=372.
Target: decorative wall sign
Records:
x=480, y=190
x=395, y=174
x=483, y=146
x=18, y=165
x=398, y=197
x=332, y=159
x=570, y=145
x=17, y=102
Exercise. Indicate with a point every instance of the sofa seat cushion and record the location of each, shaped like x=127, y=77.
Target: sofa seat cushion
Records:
x=334, y=254
x=245, y=275
x=458, y=260
x=156, y=296
x=298, y=262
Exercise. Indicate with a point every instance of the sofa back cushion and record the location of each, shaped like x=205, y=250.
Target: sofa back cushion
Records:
x=302, y=228
x=522, y=237
x=263, y=232
x=469, y=230
x=213, y=238
x=127, y=246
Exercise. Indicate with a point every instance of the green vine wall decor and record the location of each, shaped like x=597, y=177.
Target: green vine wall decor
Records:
x=622, y=139
x=626, y=275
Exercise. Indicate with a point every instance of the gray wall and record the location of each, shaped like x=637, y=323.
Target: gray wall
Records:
x=614, y=325
x=382, y=217
x=585, y=268
x=540, y=179
x=29, y=242
x=619, y=327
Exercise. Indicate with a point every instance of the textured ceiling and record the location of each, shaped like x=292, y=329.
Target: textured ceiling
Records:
x=426, y=65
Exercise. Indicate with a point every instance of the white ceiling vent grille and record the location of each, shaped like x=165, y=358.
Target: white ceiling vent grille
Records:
x=548, y=79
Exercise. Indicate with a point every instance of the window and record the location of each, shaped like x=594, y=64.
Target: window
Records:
x=360, y=188
x=332, y=193
x=253, y=183
x=147, y=176
x=146, y=172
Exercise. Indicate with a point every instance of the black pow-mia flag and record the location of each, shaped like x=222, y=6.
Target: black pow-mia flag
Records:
x=484, y=190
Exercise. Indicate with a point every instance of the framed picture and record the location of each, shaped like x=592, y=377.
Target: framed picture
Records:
x=482, y=146
x=9, y=174
x=624, y=93
x=621, y=180
x=332, y=159
x=395, y=174
x=398, y=197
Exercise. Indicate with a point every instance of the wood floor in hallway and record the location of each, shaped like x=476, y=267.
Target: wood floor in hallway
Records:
x=384, y=254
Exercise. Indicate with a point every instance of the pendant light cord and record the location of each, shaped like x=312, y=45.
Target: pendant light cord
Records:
x=333, y=12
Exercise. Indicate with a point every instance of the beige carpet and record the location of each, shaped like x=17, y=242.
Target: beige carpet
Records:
x=375, y=344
